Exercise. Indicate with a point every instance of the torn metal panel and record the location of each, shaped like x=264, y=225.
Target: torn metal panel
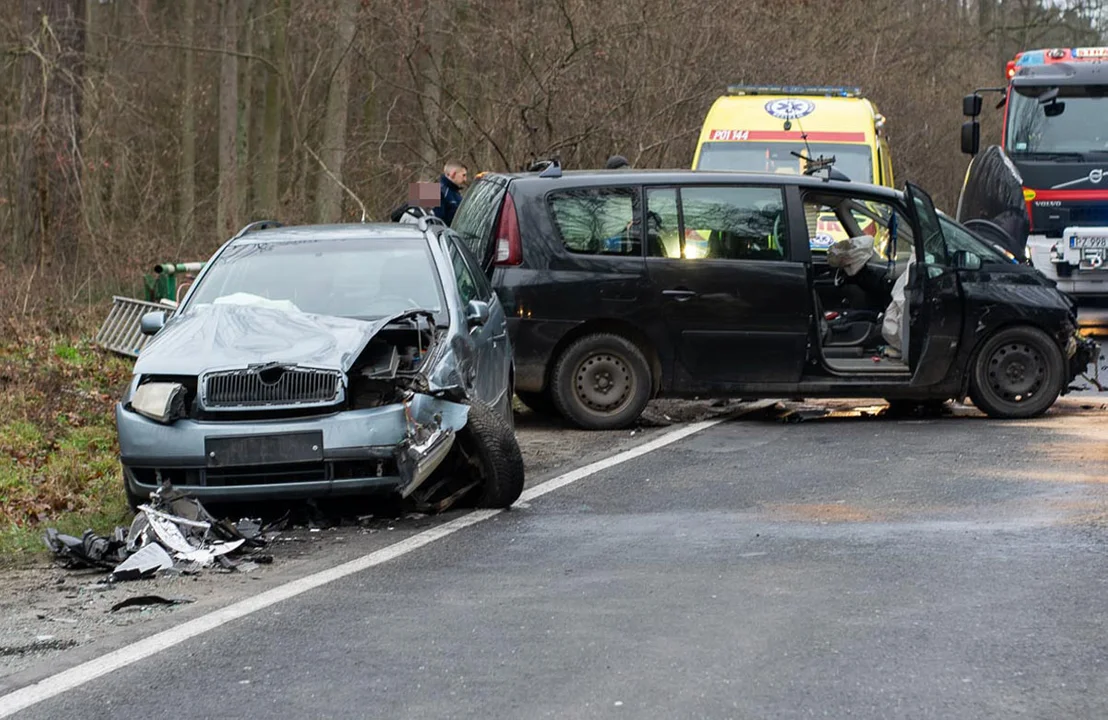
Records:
x=144, y=563
x=419, y=456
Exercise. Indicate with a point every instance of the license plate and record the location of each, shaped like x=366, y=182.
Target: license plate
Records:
x=236, y=450
x=1089, y=242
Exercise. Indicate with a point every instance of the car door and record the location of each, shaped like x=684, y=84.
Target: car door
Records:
x=934, y=296
x=736, y=306
x=490, y=340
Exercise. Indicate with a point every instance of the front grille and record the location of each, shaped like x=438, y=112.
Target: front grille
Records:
x=275, y=385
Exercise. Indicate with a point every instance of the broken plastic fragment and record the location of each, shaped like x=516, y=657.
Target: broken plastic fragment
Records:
x=144, y=563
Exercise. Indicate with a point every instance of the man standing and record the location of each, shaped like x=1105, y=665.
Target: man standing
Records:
x=451, y=182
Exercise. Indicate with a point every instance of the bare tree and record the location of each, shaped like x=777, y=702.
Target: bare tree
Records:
x=329, y=190
x=227, y=219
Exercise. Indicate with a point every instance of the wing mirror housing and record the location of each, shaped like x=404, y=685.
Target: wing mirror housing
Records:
x=971, y=105
x=966, y=260
x=152, y=322
x=971, y=137
x=477, y=313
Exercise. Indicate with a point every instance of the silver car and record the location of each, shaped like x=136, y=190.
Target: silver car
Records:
x=328, y=360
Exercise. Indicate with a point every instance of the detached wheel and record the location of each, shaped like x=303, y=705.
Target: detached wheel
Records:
x=601, y=382
x=1018, y=373
x=489, y=447
x=539, y=403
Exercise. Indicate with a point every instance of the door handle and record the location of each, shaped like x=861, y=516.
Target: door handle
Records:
x=679, y=294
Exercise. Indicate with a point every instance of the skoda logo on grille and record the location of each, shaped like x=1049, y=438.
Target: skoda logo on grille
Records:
x=1095, y=176
x=270, y=375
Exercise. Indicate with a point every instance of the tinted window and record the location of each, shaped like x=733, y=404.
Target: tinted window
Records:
x=476, y=218
x=732, y=223
x=361, y=278
x=934, y=249
x=599, y=221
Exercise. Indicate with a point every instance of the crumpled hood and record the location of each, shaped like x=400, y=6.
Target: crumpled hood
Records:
x=210, y=337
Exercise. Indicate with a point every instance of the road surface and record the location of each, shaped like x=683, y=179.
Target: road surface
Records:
x=867, y=568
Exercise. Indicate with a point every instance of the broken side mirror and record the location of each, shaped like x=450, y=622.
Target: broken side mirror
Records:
x=971, y=105
x=152, y=322
x=966, y=260
x=477, y=313
x=971, y=137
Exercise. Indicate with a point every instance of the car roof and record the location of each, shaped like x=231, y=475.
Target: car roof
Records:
x=689, y=177
x=1074, y=73
x=345, y=231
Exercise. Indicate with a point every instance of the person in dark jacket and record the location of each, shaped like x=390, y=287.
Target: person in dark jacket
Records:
x=451, y=182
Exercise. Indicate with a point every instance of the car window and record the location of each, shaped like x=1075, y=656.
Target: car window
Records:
x=597, y=221
x=837, y=217
x=934, y=246
x=719, y=223
x=958, y=238
x=468, y=288
x=476, y=217
x=484, y=289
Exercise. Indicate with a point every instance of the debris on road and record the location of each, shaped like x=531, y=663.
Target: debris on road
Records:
x=171, y=533
x=146, y=601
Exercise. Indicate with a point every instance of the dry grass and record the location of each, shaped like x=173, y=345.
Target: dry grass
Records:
x=58, y=450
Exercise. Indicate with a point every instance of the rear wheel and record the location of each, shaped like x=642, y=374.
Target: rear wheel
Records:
x=1018, y=373
x=601, y=382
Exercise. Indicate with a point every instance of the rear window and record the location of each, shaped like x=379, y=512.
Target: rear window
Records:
x=476, y=218
x=597, y=221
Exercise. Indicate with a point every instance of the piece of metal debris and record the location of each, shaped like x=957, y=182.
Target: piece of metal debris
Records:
x=144, y=563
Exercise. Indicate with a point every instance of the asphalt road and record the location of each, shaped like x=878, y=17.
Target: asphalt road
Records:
x=943, y=568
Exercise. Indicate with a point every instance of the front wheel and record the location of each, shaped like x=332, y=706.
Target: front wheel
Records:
x=491, y=452
x=1018, y=373
x=601, y=382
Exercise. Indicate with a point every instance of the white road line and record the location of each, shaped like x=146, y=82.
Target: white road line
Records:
x=54, y=685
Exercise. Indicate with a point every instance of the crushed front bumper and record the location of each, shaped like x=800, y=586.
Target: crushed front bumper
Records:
x=1081, y=352
x=344, y=453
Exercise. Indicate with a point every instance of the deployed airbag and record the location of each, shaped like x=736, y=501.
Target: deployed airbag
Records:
x=851, y=254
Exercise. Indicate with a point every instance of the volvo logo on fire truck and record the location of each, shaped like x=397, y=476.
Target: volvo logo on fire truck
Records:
x=1095, y=176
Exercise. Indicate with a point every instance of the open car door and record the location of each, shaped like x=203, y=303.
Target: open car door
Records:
x=934, y=298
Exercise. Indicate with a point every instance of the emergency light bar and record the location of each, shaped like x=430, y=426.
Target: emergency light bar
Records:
x=1044, y=57
x=826, y=90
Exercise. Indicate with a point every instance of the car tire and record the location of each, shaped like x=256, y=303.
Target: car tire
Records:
x=601, y=382
x=539, y=403
x=1017, y=373
x=488, y=441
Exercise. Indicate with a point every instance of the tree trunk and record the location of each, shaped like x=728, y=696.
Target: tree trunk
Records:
x=430, y=84
x=328, y=197
x=246, y=100
x=227, y=221
x=186, y=207
x=92, y=170
x=266, y=190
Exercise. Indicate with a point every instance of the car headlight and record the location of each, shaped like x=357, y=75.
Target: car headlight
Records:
x=161, y=401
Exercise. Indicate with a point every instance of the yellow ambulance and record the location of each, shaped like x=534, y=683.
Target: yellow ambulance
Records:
x=759, y=128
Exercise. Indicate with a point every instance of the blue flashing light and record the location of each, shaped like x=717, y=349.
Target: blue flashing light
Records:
x=825, y=90
x=1032, y=57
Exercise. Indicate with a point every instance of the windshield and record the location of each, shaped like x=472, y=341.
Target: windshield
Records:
x=854, y=161
x=1071, y=123
x=356, y=278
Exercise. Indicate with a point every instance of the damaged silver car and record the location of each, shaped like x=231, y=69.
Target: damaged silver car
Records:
x=325, y=361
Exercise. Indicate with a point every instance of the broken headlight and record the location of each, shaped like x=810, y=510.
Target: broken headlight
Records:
x=161, y=401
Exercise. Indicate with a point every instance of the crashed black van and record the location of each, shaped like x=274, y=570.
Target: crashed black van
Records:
x=624, y=285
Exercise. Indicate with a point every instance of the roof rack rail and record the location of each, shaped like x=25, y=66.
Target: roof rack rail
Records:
x=825, y=90
x=259, y=225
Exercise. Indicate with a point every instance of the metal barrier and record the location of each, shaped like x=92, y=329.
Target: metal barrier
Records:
x=121, y=331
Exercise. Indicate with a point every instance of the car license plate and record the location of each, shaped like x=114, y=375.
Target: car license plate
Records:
x=278, y=449
x=1089, y=242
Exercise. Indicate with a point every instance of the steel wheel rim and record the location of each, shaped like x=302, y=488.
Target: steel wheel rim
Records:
x=603, y=382
x=1016, y=372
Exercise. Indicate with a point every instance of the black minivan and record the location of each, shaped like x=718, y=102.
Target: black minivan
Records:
x=625, y=285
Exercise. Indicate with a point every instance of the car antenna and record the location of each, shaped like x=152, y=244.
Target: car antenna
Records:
x=814, y=165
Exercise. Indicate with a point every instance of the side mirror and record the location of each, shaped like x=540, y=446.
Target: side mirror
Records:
x=152, y=322
x=971, y=137
x=971, y=105
x=965, y=260
x=477, y=313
